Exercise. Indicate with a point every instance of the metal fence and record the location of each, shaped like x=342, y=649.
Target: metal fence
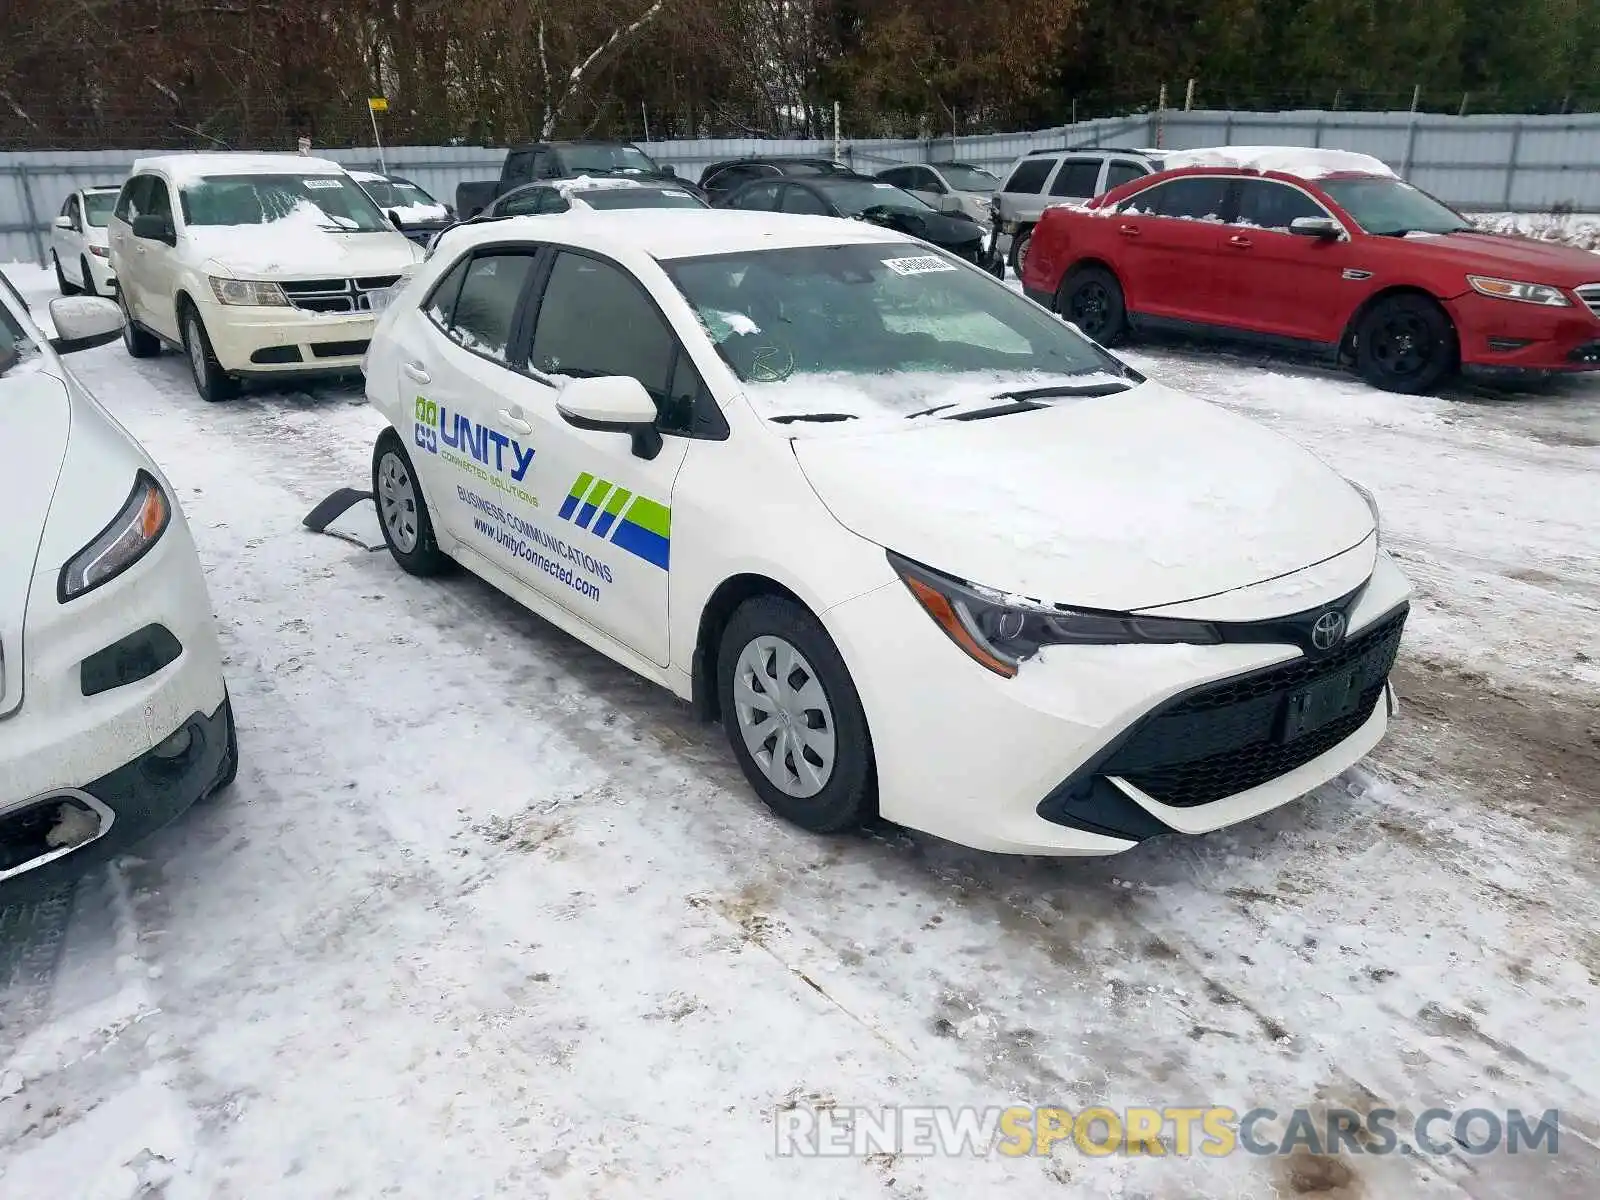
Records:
x=1477, y=163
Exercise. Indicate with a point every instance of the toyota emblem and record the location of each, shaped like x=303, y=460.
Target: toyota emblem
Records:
x=1325, y=634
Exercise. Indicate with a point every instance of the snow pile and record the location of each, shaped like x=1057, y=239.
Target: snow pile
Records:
x=1304, y=162
x=1581, y=231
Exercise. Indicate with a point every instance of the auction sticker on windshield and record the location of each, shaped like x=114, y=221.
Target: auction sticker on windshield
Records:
x=923, y=265
x=323, y=183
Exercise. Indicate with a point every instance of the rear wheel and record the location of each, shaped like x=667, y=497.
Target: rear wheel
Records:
x=1019, y=250
x=402, y=511
x=138, y=342
x=66, y=288
x=1405, y=344
x=210, y=380
x=1091, y=298
x=793, y=716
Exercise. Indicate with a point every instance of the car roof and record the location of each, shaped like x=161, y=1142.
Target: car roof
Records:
x=678, y=233
x=195, y=166
x=102, y=187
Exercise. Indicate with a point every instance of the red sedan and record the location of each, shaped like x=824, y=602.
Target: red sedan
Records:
x=1317, y=251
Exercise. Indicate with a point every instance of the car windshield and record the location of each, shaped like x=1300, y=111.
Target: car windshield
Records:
x=97, y=208
x=638, y=198
x=397, y=193
x=855, y=196
x=967, y=179
x=335, y=201
x=1390, y=207
x=608, y=160
x=876, y=329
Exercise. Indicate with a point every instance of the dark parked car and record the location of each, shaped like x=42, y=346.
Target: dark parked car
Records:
x=722, y=178
x=565, y=195
x=866, y=199
x=561, y=160
x=414, y=213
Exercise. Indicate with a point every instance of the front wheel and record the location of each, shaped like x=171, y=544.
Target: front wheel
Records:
x=1405, y=344
x=793, y=716
x=210, y=380
x=138, y=342
x=1091, y=298
x=402, y=511
x=66, y=288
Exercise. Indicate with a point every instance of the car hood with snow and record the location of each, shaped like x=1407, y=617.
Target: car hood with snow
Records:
x=1121, y=502
x=301, y=248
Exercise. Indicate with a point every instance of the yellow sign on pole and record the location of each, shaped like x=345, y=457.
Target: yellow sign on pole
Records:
x=378, y=104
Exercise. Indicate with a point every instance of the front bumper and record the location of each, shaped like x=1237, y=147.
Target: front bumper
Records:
x=1505, y=338
x=101, y=275
x=286, y=341
x=1023, y=765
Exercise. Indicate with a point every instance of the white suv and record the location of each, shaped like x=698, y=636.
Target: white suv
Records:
x=252, y=264
x=78, y=243
x=1042, y=179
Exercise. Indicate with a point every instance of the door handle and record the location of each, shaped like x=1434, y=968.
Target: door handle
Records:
x=513, y=417
x=1240, y=241
x=415, y=371
x=1128, y=230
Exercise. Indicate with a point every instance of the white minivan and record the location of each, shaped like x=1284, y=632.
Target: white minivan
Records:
x=253, y=265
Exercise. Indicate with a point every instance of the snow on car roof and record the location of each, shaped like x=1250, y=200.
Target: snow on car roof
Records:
x=1305, y=162
x=590, y=183
x=682, y=233
x=185, y=168
x=368, y=177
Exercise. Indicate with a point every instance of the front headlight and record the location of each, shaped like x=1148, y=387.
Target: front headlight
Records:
x=1372, y=505
x=1000, y=632
x=1511, y=289
x=140, y=524
x=254, y=292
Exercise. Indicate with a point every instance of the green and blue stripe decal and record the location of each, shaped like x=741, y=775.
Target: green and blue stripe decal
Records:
x=636, y=524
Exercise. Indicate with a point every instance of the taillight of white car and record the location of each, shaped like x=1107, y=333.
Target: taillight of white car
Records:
x=140, y=524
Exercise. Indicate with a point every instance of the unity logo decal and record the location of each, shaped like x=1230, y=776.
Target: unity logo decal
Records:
x=1325, y=634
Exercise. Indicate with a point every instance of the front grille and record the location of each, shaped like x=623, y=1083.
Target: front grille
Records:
x=337, y=295
x=1589, y=293
x=1226, y=737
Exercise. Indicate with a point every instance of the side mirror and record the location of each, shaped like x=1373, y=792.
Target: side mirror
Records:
x=155, y=229
x=669, y=170
x=1316, y=227
x=83, y=322
x=63, y=222
x=394, y=219
x=612, y=404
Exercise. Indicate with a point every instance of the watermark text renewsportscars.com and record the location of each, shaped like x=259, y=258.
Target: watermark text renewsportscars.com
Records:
x=1176, y=1131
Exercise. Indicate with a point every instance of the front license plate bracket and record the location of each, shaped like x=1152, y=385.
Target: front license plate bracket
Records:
x=1324, y=702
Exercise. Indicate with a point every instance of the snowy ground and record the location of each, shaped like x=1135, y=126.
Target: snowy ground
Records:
x=487, y=916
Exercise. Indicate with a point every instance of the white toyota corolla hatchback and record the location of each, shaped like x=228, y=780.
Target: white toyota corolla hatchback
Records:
x=113, y=713
x=926, y=551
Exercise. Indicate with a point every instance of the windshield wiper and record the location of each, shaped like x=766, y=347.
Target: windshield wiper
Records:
x=1109, y=388
x=926, y=412
x=788, y=418
x=1025, y=399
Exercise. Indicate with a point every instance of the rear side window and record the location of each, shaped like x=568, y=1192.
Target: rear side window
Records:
x=803, y=200
x=1030, y=175
x=1078, y=177
x=1199, y=198
x=762, y=197
x=524, y=203
x=1274, y=206
x=487, y=303
x=1120, y=172
x=902, y=177
x=441, y=305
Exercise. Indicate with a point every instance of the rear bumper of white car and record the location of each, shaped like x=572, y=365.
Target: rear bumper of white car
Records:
x=149, y=741
x=1091, y=749
x=286, y=341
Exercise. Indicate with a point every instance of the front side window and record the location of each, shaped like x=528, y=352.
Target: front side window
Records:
x=333, y=202
x=872, y=329
x=1274, y=206
x=398, y=193
x=803, y=200
x=1028, y=178
x=525, y=202
x=856, y=196
x=969, y=179
x=487, y=303
x=131, y=200
x=159, y=199
x=632, y=340
x=14, y=343
x=1197, y=198
x=1390, y=207
x=899, y=176
x=762, y=197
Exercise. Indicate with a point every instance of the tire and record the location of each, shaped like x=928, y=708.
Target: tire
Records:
x=210, y=380
x=87, y=276
x=1091, y=298
x=403, y=511
x=230, y=761
x=832, y=786
x=138, y=342
x=1405, y=344
x=66, y=288
x=1019, y=250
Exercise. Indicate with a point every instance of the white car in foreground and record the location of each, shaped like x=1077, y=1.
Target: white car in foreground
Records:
x=254, y=265
x=80, y=249
x=925, y=550
x=113, y=713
